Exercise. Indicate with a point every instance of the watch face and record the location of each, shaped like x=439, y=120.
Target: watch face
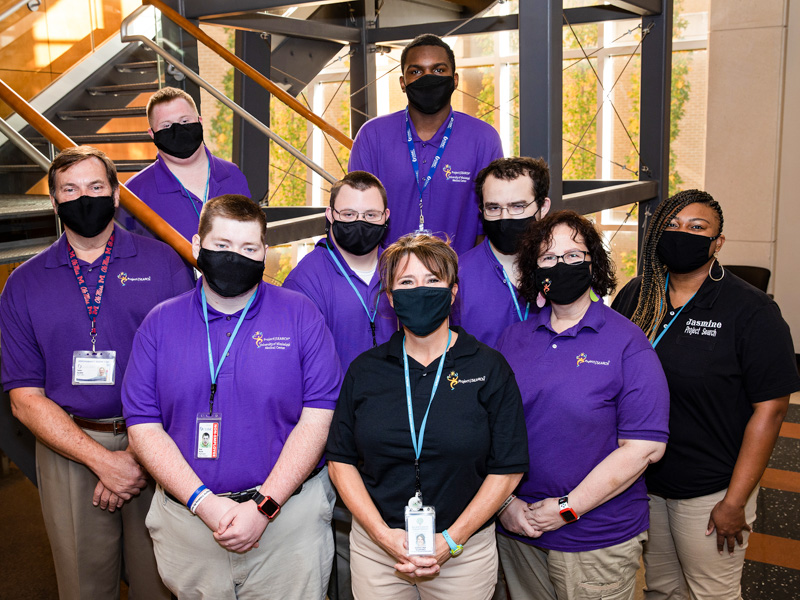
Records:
x=457, y=551
x=568, y=515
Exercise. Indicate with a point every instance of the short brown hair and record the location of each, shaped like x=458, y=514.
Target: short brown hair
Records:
x=509, y=169
x=235, y=207
x=361, y=181
x=436, y=254
x=164, y=95
x=72, y=156
x=540, y=235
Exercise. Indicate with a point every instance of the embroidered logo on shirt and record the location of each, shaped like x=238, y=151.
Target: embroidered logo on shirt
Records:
x=273, y=343
x=123, y=278
x=582, y=358
x=453, y=379
x=456, y=176
x=695, y=327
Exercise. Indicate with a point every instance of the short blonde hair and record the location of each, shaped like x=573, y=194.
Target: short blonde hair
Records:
x=436, y=254
x=164, y=95
x=235, y=207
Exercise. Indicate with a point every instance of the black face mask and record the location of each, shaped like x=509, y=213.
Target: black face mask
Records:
x=505, y=233
x=358, y=237
x=563, y=284
x=179, y=140
x=422, y=309
x=430, y=93
x=87, y=216
x=683, y=252
x=228, y=273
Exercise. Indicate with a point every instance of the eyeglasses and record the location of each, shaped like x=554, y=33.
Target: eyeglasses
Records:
x=348, y=216
x=573, y=257
x=493, y=210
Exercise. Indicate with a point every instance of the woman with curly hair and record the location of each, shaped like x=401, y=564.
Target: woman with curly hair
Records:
x=729, y=361
x=596, y=406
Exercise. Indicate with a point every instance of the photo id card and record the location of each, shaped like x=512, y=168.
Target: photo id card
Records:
x=208, y=440
x=421, y=531
x=93, y=368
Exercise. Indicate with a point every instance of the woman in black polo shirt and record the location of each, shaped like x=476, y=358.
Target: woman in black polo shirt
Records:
x=431, y=418
x=729, y=361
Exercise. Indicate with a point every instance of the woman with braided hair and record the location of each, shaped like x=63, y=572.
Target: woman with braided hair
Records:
x=729, y=361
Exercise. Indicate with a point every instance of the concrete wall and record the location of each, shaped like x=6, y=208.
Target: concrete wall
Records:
x=750, y=151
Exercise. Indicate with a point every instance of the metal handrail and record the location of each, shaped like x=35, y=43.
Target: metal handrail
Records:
x=143, y=39
x=33, y=6
x=252, y=73
x=130, y=201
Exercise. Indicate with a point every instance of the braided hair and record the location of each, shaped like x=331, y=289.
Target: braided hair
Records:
x=652, y=304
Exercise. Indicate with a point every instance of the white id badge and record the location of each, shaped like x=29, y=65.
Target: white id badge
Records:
x=207, y=439
x=93, y=368
x=421, y=531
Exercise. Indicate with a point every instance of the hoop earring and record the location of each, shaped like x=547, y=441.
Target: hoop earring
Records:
x=711, y=268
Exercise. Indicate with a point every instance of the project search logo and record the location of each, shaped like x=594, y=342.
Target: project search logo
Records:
x=453, y=379
x=581, y=358
x=123, y=278
x=258, y=336
x=447, y=170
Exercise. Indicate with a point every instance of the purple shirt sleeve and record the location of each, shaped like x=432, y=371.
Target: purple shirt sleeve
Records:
x=23, y=363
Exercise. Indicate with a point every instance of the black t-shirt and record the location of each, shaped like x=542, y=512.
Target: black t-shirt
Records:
x=476, y=426
x=728, y=349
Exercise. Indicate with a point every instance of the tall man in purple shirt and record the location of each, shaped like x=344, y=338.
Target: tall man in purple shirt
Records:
x=68, y=317
x=427, y=155
x=255, y=367
x=185, y=174
x=340, y=274
x=512, y=193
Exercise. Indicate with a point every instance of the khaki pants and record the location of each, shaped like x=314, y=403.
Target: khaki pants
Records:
x=470, y=576
x=292, y=562
x=532, y=573
x=681, y=561
x=89, y=544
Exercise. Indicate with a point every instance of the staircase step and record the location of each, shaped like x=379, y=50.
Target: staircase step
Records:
x=137, y=67
x=103, y=138
x=123, y=89
x=24, y=205
x=123, y=166
x=102, y=113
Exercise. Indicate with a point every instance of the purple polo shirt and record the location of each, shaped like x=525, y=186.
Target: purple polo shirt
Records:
x=450, y=205
x=161, y=191
x=43, y=317
x=484, y=306
x=318, y=277
x=582, y=390
x=282, y=360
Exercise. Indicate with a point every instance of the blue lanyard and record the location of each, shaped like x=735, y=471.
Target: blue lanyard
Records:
x=215, y=374
x=665, y=329
x=370, y=316
x=204, y=199
x=418, y=444
x=415, y=162
x=512, y=291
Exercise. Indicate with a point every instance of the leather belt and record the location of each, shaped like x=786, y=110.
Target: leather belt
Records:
x=246, y=495
x=116, y=427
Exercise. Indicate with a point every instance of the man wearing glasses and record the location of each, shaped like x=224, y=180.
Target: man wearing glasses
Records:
x=340, y=276
x=512, y=193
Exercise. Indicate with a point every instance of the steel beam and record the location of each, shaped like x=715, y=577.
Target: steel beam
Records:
x=298, y=28
x=284, y=226
x=251, y=146
x=638, y=7
x=540, y=83
x=654, y=116
x=572, y=186
x=364, y=93
x=620, y=194
x=196, y=9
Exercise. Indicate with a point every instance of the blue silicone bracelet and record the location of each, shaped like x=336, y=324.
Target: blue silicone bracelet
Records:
x=193, y=496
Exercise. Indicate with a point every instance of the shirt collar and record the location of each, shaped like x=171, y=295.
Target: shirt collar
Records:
x=594, y=318
x=214, y=315
x=497, y=267
x=327, y=242
x=465, y=345
x=707, y=294
x=166, y=182
x=437, y=137
x=124, y=247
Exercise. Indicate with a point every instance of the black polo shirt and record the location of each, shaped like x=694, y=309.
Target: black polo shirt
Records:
x=728, y=349
x=476, y=426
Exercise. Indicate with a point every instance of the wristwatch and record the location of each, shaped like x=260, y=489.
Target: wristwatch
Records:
x=566, y=511
x=455, y=549
x=266, y=505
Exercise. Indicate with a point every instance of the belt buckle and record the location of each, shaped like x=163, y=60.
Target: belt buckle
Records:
x=118, y=430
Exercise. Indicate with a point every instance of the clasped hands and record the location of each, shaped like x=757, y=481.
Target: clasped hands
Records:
x=531, y=519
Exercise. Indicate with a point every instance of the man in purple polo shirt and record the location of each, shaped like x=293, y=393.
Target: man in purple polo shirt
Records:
x=255, y=367
x=427, y=155
x=185, y=174
x=512, y=193
x=340, y=274
x=68, y=317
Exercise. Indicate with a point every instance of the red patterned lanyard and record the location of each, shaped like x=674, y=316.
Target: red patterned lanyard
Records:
x=92, y=303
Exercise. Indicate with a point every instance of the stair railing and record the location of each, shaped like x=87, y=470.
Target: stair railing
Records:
x=125, y=36
x=130, y=201
x=33, y=6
